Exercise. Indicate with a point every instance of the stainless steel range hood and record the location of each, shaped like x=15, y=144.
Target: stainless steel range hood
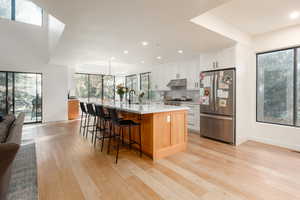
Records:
x=177, y=84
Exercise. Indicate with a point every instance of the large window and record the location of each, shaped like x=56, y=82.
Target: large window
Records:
x=21, y=10
x=108, y=88
x=21, y=92
x=277, y=86
x=145, y=84
x=88, y=87
x=5, y=9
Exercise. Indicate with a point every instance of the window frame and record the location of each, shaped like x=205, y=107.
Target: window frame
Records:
x=13, y=92
x=13, y=14
x=149, y=82
x=295, y=79
x=102, y=80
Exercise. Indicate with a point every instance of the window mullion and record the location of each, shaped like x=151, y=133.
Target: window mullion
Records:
x=295, y=88
x=13, y=10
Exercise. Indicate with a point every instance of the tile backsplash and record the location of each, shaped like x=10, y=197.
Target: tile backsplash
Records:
x=160, y=95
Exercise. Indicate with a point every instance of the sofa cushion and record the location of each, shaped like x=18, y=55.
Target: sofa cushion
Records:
x=5, y=126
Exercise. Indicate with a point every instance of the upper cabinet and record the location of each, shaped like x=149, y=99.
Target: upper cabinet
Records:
x=191, y=69
x=224, y=58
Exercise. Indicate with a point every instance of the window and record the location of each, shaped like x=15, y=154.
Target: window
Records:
x=28, y=12
x=277, y=88
x=21, y=92
x=22, y=11
x=5, y=9
x=82, y=86
x=108, y=88
x=88, y=87
x=145, y=84
x=132, y=83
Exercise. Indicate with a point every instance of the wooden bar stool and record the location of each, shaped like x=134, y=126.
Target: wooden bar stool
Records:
x=117, y=122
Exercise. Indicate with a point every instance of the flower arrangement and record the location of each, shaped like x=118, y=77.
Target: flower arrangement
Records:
x=121, y=90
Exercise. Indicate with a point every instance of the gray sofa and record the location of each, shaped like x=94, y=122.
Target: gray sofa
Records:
x=8, y=150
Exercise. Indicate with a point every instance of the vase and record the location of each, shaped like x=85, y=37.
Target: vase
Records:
x=121, y=97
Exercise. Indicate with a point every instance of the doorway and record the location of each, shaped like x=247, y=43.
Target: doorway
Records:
x=21, y=92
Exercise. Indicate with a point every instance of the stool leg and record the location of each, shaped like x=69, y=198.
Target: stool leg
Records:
x=109, y=140
x=81, y=123
x=140, y=134
x=117, y=156
x=129, y=135
x=118, y=143
x=103, y=137
x=93, y=131
x=87, y=126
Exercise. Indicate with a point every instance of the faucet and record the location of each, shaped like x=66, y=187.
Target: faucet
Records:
x=131, y=93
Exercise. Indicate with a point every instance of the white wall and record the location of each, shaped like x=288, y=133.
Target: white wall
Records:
x=54, y=88
x=273, y=134
x=24, y=48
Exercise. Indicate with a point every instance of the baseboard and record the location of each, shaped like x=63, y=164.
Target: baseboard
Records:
x=275, y=143
x=241, y=140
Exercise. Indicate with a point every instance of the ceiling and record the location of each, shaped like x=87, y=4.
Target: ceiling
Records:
x=97, y=30
x=258, y=16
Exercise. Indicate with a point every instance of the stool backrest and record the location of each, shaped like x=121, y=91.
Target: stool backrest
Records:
x=90, y=109
x=102, y=112
x=114, y=114
x=82, y=107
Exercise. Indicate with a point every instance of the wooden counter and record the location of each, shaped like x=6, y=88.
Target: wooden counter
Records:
x=163, y=134
x=73, y=109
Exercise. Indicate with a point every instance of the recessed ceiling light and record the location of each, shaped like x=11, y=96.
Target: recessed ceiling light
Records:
x=145, y=43
x=125, y=52
x=180, y=51
x=294, y=15
x=112, y=58
x=158, y=57
x=142, y=62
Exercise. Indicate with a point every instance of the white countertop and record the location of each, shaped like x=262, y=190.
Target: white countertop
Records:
x=143, y=109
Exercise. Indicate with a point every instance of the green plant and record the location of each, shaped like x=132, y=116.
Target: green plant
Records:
x=121, y=90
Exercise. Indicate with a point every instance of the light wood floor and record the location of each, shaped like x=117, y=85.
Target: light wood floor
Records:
x=70, y=168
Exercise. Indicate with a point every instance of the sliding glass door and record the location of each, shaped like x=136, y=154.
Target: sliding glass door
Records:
x=21, y=92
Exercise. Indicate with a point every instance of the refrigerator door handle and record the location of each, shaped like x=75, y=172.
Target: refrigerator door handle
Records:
x=216, y=116
x=215, y=91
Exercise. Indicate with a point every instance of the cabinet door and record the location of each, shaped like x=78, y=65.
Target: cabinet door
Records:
x=178, y=129
x=162, y=126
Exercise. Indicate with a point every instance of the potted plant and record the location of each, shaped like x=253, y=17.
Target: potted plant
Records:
x=121, y=91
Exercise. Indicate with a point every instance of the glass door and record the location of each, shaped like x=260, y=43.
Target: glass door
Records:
x=27, y=96
x=21, y=92
x=3, y=96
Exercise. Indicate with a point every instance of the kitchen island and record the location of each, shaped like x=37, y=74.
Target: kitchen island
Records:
x=163, y=127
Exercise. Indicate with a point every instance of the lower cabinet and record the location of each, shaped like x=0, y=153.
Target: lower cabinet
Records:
x=193, y=117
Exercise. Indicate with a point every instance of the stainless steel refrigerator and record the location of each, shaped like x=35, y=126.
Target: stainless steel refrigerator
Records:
x=217, y=109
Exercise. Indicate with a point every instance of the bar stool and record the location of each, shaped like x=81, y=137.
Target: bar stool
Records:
x=117, y=122
x=91, y=114
x=102, y=122
x=83, y=118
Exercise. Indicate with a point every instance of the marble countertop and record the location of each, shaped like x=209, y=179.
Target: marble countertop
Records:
x=143, y=109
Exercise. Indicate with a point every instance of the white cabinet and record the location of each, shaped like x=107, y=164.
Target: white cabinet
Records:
x=224, y=58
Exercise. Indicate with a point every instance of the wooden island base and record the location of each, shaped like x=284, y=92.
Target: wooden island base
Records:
x=163, y=134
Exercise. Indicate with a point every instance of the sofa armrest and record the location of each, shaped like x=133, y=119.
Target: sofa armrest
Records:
x=8, y=153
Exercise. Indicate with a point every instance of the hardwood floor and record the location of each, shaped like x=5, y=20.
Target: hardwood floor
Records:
x=70, y=168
